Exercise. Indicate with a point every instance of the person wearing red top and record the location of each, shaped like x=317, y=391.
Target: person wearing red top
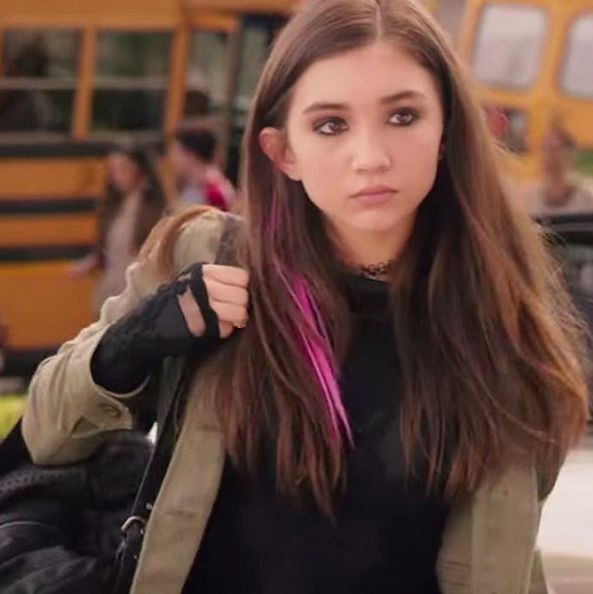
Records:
x=200, y=180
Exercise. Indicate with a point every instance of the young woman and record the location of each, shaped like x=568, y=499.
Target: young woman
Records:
x=133, y=204
x=390, y=376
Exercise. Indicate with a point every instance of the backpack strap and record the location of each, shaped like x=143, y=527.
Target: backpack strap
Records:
x=134, y=527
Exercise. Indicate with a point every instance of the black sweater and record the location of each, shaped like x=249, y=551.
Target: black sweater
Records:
x=386, y=533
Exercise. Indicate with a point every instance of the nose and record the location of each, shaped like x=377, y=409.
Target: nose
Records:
x=369, y=153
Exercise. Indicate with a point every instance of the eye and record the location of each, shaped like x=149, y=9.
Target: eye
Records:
x=403, y=117
x=330, y=126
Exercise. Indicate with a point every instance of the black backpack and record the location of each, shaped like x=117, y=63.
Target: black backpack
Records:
x=60, y=526
x=79, y=527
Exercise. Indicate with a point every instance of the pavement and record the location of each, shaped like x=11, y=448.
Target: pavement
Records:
x=566, y=531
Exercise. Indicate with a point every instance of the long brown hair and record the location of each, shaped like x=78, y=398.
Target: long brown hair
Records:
x=153, y=199
x=491, y=351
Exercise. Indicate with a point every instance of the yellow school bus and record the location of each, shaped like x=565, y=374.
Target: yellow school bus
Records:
x=76, y=76
x=534, y=63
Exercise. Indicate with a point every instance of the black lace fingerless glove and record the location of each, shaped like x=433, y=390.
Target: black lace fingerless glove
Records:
x=154, y=329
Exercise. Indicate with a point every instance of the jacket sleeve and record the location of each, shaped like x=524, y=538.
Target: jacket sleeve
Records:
x=67, y=413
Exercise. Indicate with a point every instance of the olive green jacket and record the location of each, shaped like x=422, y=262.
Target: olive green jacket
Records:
x=488, y=544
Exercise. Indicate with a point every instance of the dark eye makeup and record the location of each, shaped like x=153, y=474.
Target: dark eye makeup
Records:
x=331, y=126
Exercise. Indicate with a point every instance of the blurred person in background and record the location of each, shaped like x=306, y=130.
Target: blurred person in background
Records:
x=134, y=202
x=559, y=191
x=199, y=179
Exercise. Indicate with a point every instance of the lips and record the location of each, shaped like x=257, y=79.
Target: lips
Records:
x=374, y=191
x=374, y=195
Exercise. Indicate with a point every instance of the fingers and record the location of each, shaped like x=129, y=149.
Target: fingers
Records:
x=228, y=293
x=235, y=315
x=233, y=294
x=194, y=320
x=228, y=296
x=192, y=314
x=228, y=275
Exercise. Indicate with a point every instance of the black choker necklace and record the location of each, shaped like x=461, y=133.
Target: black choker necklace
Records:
x=374, y=270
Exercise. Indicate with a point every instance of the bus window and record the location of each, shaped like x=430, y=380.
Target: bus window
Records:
x=253, y=55
x=207, y=70
x=577, y=74
x=509, y=45
x=38, y=80
x=131, y=81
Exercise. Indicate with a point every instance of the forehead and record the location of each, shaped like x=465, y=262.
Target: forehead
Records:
x=364, y=74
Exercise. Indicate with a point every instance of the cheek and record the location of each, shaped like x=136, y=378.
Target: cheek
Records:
x=314, y=155
x=320, y=164
x=182, y=161
x=320, y=172
x=320, y=189
x=174, y=158
x=417, y=160
x=129, y=177
x=117, y=177
x=178, y=163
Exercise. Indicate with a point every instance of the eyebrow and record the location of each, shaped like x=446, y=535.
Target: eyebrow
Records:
x=407, y=94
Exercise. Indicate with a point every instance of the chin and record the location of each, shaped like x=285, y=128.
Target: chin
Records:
x=378, y=222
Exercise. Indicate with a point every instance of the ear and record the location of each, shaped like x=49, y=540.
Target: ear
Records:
x=275, y=146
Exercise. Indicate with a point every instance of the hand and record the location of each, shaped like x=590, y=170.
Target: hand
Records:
x=205, y=303
x=227, y=289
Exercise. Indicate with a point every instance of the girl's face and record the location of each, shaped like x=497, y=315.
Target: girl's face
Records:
x=123, y=172
x=182, y=160
x=364, y=131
